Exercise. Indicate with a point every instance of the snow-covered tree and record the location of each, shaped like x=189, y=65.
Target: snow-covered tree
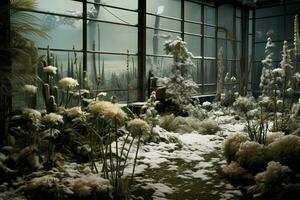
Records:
x=180, y=87
x=266, y=79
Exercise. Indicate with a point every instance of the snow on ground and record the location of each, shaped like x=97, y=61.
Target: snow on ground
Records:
x=194, y=161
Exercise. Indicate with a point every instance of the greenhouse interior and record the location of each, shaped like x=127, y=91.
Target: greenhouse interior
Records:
x=149, y=99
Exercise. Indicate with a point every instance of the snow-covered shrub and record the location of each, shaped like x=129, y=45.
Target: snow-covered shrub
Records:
x=232, y=144
x=286, y=150
x=244, y=104
x=180, y=87
x=272, y=136
x=230, y=91
x=208, y=127
x=207, y=105
x=274, y=173
x=251, y=155
x=234, y=171
x=272, y=183
x=151, y=115
x=188, y=124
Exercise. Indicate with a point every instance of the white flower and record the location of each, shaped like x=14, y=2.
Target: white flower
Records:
x=74, y=112
x=68, y=82
x=138, y=127
x=31, y=89
x=31, y=113
x=50, y=70
x=53, y=119
x=108, y=110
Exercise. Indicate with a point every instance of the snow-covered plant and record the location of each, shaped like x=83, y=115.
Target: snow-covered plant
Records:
x=35, y=124
x=50, y=70
x=232, y=144
x=188, y=124
x=266, y=79
x=74, y=112
x=220, y=75
x=269, y=183
x=251, y=155
x=68, y=84
x=257, y=120
x=151, y=115
x=234, y=171
x=180, y=87
x=229, y=92
x=286, y=150
x=273, y=136
x=296, y=37
x=51, y=121
x=137, y=129
x=274, y=174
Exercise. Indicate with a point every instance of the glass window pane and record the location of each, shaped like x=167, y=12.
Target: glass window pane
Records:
x=192, y=28
x=193, y=44
x=158, y=22
x=238, y=29
x=155, y=40
x=271, y=11
x=269, y=27
x=113, y=15
x=131, y=4
x=65, y=7
x=192, y=11
x=209, y=15
x=210, y=31
x=225, y=17
x=115, y=38
x=293, y=8
x=209, y=47
x=112, y=69
x=59, y=31
x=170, y=8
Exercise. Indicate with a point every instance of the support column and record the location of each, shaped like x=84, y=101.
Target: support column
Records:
x=5, y=68
x=141, y=85
x=244, y=53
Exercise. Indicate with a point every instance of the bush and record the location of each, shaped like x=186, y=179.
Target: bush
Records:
x=232, y=145
x=286, y=150
x=251, y=155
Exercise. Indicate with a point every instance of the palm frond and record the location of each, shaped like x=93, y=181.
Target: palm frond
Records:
x=23, y=4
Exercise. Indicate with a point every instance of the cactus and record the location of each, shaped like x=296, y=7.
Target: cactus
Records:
x=52, y=106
